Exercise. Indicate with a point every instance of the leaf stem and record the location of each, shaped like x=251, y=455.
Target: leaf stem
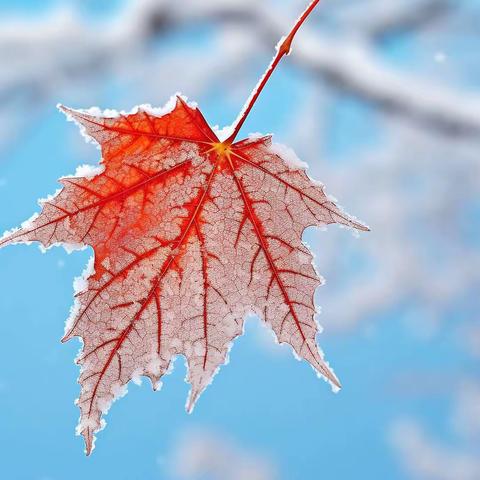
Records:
x=283, y=48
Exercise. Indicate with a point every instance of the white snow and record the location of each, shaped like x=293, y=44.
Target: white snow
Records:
x=89, y=171
x=288, y=156
x=111, y=113
x=80, y=284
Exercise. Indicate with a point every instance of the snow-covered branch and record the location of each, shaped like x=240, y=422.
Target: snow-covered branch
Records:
x=46, y=54
x=379, y=18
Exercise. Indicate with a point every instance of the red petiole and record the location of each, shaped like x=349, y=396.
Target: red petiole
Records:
x=283, y=49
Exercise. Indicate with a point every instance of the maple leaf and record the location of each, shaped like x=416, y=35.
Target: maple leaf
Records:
x=190, y=234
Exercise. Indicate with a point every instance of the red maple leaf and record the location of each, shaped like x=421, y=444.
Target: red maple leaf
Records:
x=190, y=234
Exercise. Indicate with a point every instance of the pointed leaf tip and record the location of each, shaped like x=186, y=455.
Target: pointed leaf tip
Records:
x=88, y=439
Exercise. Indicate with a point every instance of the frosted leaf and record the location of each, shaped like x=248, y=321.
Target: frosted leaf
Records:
x=190, y=235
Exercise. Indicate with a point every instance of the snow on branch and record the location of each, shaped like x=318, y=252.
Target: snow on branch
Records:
x=43, y=54
x=377, y=18
x=355, y=68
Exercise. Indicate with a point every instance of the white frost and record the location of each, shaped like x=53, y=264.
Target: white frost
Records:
x=288, y=156
x=111, y=113
x=88, y=171
x=80, y=284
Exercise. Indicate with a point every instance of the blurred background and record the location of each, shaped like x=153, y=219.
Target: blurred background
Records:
x=382, y=100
